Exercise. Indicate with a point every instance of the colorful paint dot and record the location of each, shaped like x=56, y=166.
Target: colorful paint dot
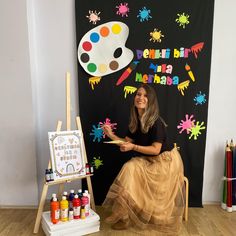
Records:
x=84, y=57
x=91, y=67
x=87, y=46
x=116, y=29
x=94, y=37
x=104, y=31
x=102, y=68
x=117, y=53
x=113, y=65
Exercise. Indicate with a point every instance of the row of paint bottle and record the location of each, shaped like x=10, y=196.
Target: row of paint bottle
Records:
x=72, y=206
x=49, y=176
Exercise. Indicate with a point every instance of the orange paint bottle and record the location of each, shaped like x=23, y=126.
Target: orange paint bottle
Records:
x=55, y=210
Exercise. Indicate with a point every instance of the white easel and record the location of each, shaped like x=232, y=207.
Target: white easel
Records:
x=70, y=179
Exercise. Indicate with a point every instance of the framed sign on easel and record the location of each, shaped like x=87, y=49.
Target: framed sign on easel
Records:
x=68, y=158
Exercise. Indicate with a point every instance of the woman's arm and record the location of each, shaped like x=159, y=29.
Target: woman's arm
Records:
x=108, y=132
x=153, y=149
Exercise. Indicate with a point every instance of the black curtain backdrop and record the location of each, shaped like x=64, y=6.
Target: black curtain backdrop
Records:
x=182, y=32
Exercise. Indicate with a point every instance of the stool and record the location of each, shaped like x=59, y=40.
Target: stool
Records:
x=185, y=217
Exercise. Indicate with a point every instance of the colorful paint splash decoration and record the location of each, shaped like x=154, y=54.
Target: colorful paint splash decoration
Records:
x=108, y=122
x=129, y=90
x=97, y=162
x=123, y=9
x=97, y=133
x=93, y=17
x=195, y=49
x=196, y=130
x=144, y=14
x=187, y=124
x=200, y=98
x=156, y=36
x=183, y=85
x=94, y=80
x=182, y=20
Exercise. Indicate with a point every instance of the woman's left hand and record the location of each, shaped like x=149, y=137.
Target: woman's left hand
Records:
x=127, y=146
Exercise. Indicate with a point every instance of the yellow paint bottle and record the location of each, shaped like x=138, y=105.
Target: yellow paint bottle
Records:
x=82, y=213
x=64, y=206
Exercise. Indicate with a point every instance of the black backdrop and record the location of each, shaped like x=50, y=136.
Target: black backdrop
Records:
x=183, y=24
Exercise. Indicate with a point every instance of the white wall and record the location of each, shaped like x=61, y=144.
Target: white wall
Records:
x=17, y=133
x=222, y=109
x=52, y=51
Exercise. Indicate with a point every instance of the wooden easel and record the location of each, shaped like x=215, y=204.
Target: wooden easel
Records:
x=70, y=179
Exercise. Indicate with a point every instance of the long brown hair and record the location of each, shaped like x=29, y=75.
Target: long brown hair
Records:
x=151, y=113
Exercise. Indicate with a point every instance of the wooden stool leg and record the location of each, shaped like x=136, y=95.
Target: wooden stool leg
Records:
x=186, y=198
x=40, y=209
x=90, y=189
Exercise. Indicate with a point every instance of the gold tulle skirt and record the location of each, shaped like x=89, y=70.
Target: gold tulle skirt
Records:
x=150, y=192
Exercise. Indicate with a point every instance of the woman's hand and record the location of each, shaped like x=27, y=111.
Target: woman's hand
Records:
x=127, y=146
x=107, y=130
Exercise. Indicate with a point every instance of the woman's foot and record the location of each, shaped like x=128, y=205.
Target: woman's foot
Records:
x=121, y=224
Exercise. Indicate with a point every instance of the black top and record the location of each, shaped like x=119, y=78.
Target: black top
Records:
x=156, y=133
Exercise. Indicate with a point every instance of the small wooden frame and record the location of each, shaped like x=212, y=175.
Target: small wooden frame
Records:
x=70, y=179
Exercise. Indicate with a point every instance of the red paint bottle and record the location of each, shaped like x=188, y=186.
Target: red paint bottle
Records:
x=87, y=167
x=85, y=203
x=76, y=206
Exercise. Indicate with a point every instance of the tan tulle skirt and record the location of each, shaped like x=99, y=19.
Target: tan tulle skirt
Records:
x=149, y=191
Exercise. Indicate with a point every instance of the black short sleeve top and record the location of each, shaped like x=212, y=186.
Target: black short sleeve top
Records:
x=156, y=133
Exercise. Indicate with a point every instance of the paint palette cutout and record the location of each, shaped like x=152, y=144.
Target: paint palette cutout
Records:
x=102, y=50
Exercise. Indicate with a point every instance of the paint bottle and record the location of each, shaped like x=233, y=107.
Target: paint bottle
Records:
x=89, y=202
x=55, y=211
x=53, y=196
x=82, y=214
x=85, y=202
x=71, y=214
x=47, y=175
x=64, y=206
x=76, y=207
x=91, y=169
x=51, y=175
x=80, y=194
x=70, y=198
x=87, y=169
